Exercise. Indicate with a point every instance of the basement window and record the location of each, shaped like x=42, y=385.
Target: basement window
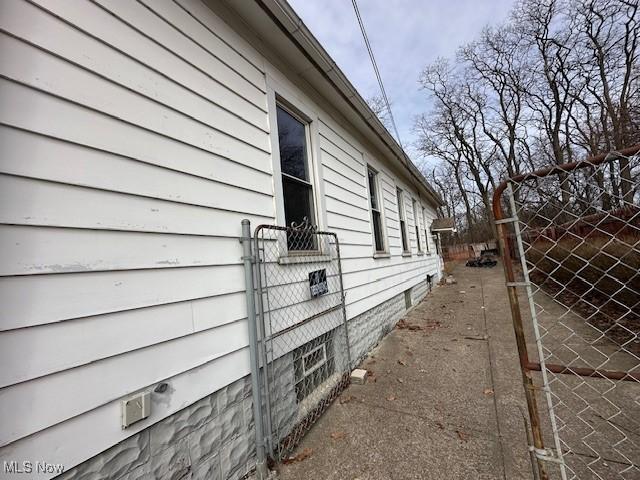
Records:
x=407, y=299
x=313, y=364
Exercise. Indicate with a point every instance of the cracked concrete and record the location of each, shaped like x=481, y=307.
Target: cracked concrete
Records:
x=441, y=401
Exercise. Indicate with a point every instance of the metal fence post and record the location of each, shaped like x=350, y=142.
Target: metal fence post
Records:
x=247, y=257
x=577, y=262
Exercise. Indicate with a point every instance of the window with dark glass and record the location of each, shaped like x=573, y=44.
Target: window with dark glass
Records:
x=415, y=221
x=403, y=226
x=296, y=179
x=376, y=216
x=426, y=234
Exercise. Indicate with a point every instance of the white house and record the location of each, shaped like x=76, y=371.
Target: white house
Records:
x=134, y=138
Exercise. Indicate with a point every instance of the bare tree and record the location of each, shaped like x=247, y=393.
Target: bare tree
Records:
x=560, y=79
x=379, y=107
x=452, y=134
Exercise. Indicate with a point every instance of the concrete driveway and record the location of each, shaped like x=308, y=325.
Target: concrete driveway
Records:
x=443, y=399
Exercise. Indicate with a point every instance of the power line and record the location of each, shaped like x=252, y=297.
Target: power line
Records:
x=375, y=69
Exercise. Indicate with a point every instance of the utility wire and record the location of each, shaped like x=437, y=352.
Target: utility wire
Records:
x=375, y=69
x=407, y=160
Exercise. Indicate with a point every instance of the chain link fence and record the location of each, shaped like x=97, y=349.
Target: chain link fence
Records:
x=571, y=242
x=303, y=325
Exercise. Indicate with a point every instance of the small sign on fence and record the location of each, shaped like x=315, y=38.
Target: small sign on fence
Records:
x=318, y=282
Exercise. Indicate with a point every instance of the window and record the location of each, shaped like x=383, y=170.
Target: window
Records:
x=403, y=229
x=407, y=299
x=313, y=364
x=415, y=221
x=376, y=216
x=297, y=188
x=426, y=233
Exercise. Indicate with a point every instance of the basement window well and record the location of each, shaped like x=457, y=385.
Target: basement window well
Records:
x=407, y=299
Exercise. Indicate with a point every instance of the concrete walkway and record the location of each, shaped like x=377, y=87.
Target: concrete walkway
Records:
x=442, y=401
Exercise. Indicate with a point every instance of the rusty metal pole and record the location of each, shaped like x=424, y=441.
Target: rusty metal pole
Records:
x=514, y=304
x=527, y=366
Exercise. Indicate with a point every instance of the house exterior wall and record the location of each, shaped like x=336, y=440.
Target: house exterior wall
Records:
x=134, y=138
x=213, y=438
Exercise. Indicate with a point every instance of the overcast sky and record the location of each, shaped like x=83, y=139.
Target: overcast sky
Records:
x=405, y=36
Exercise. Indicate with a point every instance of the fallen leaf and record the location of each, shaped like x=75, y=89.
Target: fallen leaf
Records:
x=476, y=337
x=488, y=391
x=402, y=362
x=338, y=435
x=391, y=398
x=303, y=455
x=462, y=435
x=404, y=325
x=400, y=380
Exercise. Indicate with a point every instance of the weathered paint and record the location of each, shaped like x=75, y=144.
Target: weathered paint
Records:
x=134, y=137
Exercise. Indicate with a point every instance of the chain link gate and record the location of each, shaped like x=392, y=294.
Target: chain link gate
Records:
x=302, y=321
x=570, y=237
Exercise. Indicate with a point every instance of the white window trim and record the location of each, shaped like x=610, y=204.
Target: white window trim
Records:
x=323, y=361
x=384, y=253
x=279, y=95
x=416, y=226
x=402, y=217
x=425, y=230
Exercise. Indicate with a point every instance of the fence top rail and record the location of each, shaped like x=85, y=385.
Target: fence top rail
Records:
x=553, y=169
x=303, y=228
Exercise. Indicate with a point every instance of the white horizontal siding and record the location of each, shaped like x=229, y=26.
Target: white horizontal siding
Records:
x=32, y=110
x=54, y=298
x=35, y=156
x=28, y=250
x=108, y=380
x=368, y=281
x=134, y=139
x=79, y=343
x=28, y=201
x=76, y=85
x=80, y=437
